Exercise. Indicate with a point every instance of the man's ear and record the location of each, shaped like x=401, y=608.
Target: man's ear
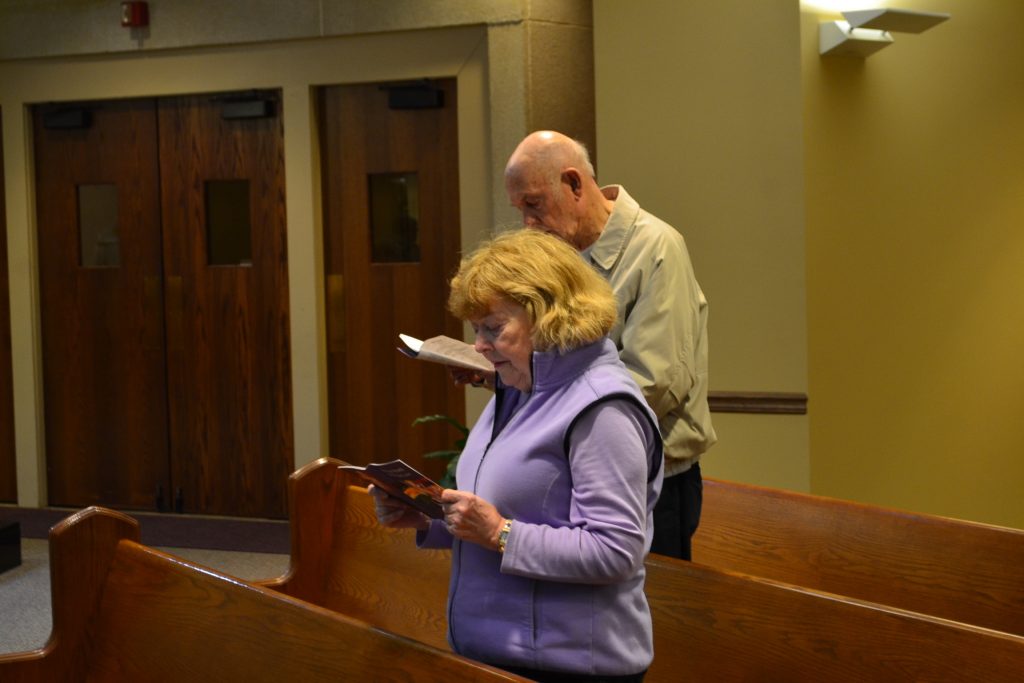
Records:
x=571, y=177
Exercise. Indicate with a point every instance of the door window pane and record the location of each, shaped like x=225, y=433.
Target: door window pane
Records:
x=100, y=244
x=394, y=217
x=228, y=229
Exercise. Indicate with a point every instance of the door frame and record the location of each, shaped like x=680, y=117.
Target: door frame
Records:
x=8, y=468
x=295, y=68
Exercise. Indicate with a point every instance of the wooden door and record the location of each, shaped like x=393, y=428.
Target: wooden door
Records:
x=229, y=357
x=104, y=383
x=166, y=356
x=391, y=242
x=8, y=471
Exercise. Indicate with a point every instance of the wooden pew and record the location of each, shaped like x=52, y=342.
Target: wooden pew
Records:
x=342, y=559
x=717, y=625
x=125, y=612
x=709, y=624
x=949, y=568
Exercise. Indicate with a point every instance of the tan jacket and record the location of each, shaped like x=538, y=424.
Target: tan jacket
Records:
x=661, y=331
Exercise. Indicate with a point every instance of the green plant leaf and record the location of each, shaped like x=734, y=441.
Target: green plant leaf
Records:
x=442, y=454
x=424, y=419
x=448, y=479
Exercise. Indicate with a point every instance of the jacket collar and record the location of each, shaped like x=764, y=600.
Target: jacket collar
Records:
x=552, y=369
x=605, y=252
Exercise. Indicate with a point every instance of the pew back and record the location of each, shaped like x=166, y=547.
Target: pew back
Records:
x=708, y=623
x=949, y=568
x=345, y=561
x=724, y=626
x=154, y=617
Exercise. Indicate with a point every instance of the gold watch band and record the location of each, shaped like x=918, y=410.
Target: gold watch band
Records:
x=506, y=527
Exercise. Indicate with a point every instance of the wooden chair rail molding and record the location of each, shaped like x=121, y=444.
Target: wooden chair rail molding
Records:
x=125, y=612
x=709, y=623
x=770, y=402
x=958, y=570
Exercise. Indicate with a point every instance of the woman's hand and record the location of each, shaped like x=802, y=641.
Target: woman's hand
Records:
x=394, y=513
x=471, y=518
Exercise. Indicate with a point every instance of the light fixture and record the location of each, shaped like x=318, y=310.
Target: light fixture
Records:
x=866, y=31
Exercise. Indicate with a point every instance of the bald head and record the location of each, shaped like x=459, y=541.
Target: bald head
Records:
x=550, y=179
x=548, y=152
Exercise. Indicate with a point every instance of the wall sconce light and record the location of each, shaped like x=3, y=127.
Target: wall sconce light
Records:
x=866, y=31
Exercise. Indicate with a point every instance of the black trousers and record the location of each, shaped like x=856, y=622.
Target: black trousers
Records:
x=557, y=677
x=677, y=513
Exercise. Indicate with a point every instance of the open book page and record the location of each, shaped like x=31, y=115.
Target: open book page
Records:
x=447, y=351
x=400, y=480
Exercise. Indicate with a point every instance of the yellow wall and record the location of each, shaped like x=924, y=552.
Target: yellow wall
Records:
x=894, y=185
x=915, y=251
x=858, y=226
x=699, y=116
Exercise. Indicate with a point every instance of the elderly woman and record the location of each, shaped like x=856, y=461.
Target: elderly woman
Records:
x=551, y=520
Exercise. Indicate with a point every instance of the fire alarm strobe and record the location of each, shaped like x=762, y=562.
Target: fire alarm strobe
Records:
x=134, y=14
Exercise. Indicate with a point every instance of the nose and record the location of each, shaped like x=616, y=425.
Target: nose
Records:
x=530, y=221
x=480, y=343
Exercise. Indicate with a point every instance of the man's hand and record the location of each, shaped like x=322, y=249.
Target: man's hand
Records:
x=477, y=378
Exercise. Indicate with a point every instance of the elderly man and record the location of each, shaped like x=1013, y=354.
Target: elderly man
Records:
x=661, y=331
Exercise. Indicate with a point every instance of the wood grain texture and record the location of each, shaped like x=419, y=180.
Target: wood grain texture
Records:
x=725, y=626
x=374, y=393
x=82, y=549
x=343, y=560
x=709, y=624
x=958, y=570
x=229, y=358
x=141, y=615
x=205, y=417
x=764, y=402
x=104, y=376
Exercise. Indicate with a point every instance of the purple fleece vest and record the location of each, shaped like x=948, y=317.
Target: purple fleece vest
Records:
x=519, y=462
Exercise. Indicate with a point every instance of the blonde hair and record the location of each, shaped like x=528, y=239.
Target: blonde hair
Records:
x=569, y=304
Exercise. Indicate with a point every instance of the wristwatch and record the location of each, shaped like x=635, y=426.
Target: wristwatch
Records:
x=503, y=535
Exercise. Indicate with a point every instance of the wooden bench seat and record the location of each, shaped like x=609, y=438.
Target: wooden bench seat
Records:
x=125, y=612
x=949, y=568
x=716, y=625
x=709, y=624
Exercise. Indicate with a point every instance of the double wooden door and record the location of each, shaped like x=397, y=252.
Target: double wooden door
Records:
x=391, y=242
x=164, y=304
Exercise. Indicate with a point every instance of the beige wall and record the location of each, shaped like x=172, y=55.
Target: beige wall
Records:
x=915, y=223
x=894, y=186
x=699, y=116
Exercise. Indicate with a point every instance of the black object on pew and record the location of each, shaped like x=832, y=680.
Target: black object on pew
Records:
x=10, y=545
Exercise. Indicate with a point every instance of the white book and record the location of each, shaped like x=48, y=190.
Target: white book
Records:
x=446, y=351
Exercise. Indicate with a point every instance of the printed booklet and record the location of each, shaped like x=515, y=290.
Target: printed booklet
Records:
x=447, y=351
x=403, y=482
